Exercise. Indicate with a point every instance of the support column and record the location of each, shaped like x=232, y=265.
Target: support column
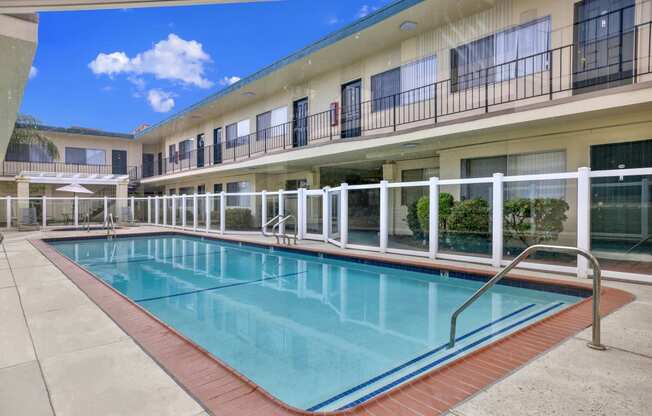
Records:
x=121, y=202
x=22, y=193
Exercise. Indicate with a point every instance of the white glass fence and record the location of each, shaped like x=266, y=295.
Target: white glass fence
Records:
x=481, y=220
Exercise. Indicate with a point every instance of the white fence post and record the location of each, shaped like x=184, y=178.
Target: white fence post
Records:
x=301, y=212
x=281, y=210
x=497, y=220
x=195, y=220
x=106, y=209
x=156, y=209
x=44, y=211
x=207, y=209
x=325, y=213
x=384, y=215
x=433, y=215
x=583, y=218
x=344, y=214
x=149, y=209
x=645, y=208
x=173, y=211
x=184, y=206
x=76, y=210
x=263, y=210
x=133, y=209
x=8, y=212
x=164, y=207
x=222, y=212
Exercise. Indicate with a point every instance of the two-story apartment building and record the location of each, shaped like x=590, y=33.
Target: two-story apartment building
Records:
x=453, y=89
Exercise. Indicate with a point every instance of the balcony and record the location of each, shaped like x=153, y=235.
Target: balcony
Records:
x=539, y=78
x=14, y=168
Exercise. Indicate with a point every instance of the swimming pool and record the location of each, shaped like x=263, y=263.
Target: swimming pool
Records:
x=317, y=332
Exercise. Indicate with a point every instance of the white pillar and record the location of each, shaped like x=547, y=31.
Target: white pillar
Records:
x=497, y=220
x=583, y=218
x=344, y=214
x=207, y=209
x=263, y=210
x=433, y=214
x=44, y=211
x=384, y=215
x=222, y=212
x=281, y=210
x=164, y=207
x=76, y=210
x=194, y=212
x=326, y=213
x=132, y=211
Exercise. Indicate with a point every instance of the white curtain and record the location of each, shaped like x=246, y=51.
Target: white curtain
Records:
x=524, y=45
x=417, y=78
x=279, y=117
x=243, y=127
x=532, y=164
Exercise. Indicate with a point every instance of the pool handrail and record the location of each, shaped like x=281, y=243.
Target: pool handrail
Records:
x=286, y=237
x=268, y=223
x=597, y=288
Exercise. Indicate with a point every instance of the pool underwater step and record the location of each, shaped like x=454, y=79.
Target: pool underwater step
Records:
x=434, y=358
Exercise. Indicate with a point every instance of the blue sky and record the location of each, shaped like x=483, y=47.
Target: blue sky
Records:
x=116, y=69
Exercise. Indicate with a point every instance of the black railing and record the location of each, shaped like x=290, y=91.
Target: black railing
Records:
x=546, y=75
x=15, y=167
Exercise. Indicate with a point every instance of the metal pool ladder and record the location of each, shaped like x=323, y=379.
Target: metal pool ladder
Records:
x=278, y=220
x=597, y=287
x=110, y=227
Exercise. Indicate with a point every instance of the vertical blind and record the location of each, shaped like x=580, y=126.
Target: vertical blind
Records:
x=410, y=83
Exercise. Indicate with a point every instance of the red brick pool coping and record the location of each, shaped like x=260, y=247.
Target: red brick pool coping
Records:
x=225, y=392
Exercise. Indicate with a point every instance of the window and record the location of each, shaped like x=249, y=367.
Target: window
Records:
x=266, y=122
x=185, y=146
x=238, y=200
x=172, y=153
x=236, y=133
x=85, y=156
x=513, y=52
x=511, y=165
x=201, y=189
x=412, y=194
x=383, y=87
x=28, y=152
x=294, y=184
x=186, y=190
x=172, y=191
x=413, y=81
x=217, y=188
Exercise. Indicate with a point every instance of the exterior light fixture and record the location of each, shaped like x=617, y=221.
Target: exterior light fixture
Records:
x=409, y=145
x=408, y=26
x=248, y=94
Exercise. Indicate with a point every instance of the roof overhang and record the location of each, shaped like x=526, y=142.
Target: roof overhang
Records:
x=67, y=178
x=32, y=6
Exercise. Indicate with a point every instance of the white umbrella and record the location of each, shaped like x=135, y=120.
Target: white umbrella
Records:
x=75, y=188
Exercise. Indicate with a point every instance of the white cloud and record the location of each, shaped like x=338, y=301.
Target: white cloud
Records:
x=33, y=71
x=332, y=21
x=173, y=59
x=160, y=101
x=365, y=10
x=229, y=80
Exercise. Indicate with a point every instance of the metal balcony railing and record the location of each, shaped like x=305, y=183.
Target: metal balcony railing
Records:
x=552, y=74
x=15, y=167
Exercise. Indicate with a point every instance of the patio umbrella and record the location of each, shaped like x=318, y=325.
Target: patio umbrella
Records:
x=75, y=188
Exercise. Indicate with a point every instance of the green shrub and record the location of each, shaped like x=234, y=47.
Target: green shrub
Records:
x=446, y=203
x=534, y=221
x=413, y=221
x=471, y=215
x=239, y=218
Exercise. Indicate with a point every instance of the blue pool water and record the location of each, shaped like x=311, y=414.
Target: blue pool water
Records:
x=318, y=333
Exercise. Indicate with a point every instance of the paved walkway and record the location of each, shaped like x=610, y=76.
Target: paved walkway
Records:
x=61, y=355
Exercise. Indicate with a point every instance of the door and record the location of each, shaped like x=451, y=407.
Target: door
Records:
x=603, y=37
x=200, y=150
x=119, y=162
x=159, y=162
x=620, y=206
x=351, y=102
x=313, y=218
x=300, y=123
x=148, y=165
x=217, y=145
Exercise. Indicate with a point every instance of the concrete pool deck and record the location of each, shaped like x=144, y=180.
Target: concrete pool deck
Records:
x=60, y=354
